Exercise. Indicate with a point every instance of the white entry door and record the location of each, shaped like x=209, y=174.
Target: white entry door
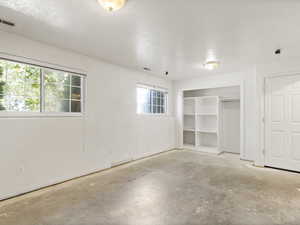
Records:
x=283, y=122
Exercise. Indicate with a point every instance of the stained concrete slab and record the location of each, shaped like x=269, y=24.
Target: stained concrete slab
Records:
x=175, y=188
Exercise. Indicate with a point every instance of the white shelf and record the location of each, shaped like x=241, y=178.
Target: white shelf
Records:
x=230, y=99
x=206, y=114
x=207, y=131
x=190, y=98
x=189, y=129
x=201, y=123
x=189, y=137
x=207, y=97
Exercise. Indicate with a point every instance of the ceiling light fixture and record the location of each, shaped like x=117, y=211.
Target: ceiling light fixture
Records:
x=211, y=65
x=112, y=5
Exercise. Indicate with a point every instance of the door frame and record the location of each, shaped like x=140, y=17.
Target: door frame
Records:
x=260, y=159
x=242, y=112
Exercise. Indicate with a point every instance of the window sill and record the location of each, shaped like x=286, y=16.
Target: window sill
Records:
x=153, y=114
x=38, y=115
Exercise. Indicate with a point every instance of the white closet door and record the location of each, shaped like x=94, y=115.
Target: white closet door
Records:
x=283, y=122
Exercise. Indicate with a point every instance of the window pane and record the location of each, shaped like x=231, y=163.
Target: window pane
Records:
x=153, y=94
x=19, y=87
x=76, y=80
x=56, y=105
x=76, y=106
x=143, y=97
x=150, y=100
x=14, y=103
x=2, y=68
x=162, y=101
x=158, y=109
x=19, y=104
x=54, y=76
x=76, y=93
x=159, y=101
x=32, y=104
x=2, y=87
x=2, y=103
x=14, y=88
x=154, y=109
x=147, y=108
x=32, y=89
x=58, y=91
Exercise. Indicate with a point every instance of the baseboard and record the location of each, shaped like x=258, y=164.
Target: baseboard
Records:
x=68, y=179
x=50, y=184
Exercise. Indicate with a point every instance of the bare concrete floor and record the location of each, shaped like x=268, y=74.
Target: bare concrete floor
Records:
x=175, y=188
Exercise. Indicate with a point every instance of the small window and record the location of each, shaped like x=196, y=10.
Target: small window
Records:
x=151, y=100
x=27, y=88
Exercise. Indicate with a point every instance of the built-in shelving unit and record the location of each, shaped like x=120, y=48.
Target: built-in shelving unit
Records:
x=189, y=127
x=201, y=123
x=230, y=99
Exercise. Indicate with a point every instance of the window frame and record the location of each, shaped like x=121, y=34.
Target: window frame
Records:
x=154, y=88
x=42, y=113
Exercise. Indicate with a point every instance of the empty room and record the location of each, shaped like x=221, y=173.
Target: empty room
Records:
x=139, y=112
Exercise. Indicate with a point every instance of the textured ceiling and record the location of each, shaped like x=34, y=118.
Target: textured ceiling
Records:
x=174, y=35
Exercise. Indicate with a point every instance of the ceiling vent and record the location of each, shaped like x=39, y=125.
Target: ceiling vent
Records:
x=7, y=23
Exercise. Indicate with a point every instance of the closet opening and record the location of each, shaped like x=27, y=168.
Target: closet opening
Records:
x=213, y=121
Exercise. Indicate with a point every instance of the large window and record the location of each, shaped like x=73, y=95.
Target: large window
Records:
x=151, y=100
x=27, y=88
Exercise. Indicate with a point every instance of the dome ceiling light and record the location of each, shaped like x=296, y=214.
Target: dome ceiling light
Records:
x=211, y=65
x=112, y=5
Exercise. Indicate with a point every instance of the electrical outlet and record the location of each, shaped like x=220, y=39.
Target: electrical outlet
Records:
x=21, y=169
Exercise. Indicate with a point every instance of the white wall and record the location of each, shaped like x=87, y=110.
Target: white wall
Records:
x=248, y=81
x=36, y=152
